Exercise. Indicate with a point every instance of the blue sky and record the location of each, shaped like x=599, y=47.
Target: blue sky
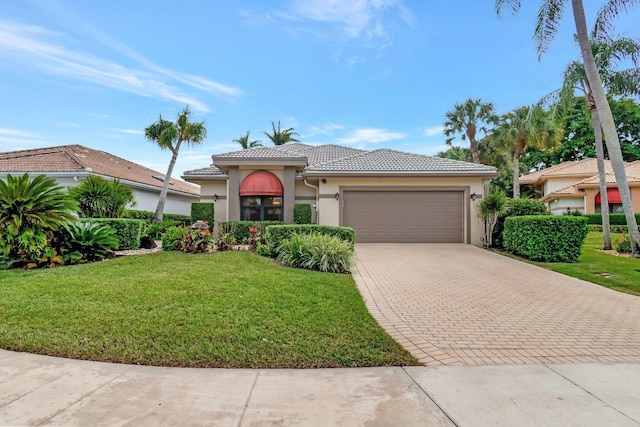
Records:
x=362, y=73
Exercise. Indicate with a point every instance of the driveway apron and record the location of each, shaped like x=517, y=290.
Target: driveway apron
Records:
x=455, y=304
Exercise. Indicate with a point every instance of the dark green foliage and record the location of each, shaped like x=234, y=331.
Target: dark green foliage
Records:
x=517, y=207
x=623, y=244
x=202, y=212
x=179, y=218
x=30, y=212
x=302, y=213
x=263, y=250
x=129, y=231
x=316, y=251
x=614, y=219
x=545, y=238
x=136, y=214
x=155, y=229
x=87, y=241
x=241, y=230
x=172, y=238
x=148, y=216
x=276, y=234
x=101, y=198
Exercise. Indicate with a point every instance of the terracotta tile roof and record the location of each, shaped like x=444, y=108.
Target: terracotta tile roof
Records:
x=570, y=190
x=77, y=158
x=388, y=161
x=582, y=168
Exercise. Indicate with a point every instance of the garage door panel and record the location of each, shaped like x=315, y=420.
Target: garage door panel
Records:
x=405, y=216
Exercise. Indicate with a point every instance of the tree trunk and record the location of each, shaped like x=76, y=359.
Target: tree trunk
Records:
x=473, y=145
x=516, y=169
x=608, y=124
x=604, y=198
x=159, y=214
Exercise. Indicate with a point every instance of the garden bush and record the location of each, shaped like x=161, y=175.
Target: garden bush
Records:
x=172, y=238
x=155, y=230
x=196, y=241
x=241, y=230
x=148, y=216
x=276, y=234
x=302, y=213
x=100, y=198
x=87, y=241
x=516, y=207
x=129, y=231
x=614, y=219
x=545, y=238
x=203, y=212
x=317, y=251
x=613, y=228
x=623, y=244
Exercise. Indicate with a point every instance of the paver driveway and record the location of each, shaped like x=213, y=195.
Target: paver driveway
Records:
x=454, y=304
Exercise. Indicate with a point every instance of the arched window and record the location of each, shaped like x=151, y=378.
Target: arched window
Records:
x=261, y=197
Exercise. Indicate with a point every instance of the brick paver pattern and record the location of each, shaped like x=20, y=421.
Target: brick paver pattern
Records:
x=454, y=304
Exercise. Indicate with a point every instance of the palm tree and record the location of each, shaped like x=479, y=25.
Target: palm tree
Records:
x=527, y=126
x=607, y=53
x=245, y=143
x=281, y=136
x=170, y=136
x=465, y=119
x=549, y=16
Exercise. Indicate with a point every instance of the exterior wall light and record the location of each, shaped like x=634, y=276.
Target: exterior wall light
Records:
x=474, y=196
x=215, y=197
x=337, y=196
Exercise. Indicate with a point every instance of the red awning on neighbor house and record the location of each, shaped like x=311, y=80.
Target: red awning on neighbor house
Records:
x=613, y=196
x=261, y=183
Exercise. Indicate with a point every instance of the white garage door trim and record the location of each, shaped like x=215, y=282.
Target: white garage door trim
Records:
x=465, y=190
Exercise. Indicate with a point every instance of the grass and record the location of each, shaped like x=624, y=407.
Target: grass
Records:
x=229, y=309
x=593, y=262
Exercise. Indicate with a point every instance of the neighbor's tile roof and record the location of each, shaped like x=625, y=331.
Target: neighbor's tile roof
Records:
x=582, y=168
x=77, y=158
x=387, y=161
x=208, y=171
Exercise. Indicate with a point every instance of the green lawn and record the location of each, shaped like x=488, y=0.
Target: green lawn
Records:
x=593, y=263
x=228, y=309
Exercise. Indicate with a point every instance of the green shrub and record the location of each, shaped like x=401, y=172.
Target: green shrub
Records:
x=31, y=210
x=545, y=238
x=613, y=228
x=317, y=251
x=276, y=234
x=516, y=207
x=101, y=198
x=179, y=218
x=623, y=244
x=148, y=217
x=263, y=250
x=172, y=238
x=136, y=214
x=614, y=219
x=129, y=231
x=196, y=241
x=87, y=241
x=241, y=230
x=302, y=213
x=202, y=212
x=156, y=229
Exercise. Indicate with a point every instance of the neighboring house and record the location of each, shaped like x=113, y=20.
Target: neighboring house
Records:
x=386, y=195
x=68, y=164
x=575, y=186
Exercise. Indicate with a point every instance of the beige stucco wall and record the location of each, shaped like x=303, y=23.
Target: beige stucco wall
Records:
x=553, y=184
x=329, y=208
x=559, y=206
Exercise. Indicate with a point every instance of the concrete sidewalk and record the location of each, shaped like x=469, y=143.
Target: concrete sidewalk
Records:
x=41, y=390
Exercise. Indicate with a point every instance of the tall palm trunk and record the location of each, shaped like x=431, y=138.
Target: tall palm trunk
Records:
x=608, y=124
x=159, y=214
x=473, y=144
x=516, y=169
x=604, y=198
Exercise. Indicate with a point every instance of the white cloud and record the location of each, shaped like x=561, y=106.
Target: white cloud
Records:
x=324, y=129
x=371, y=135
x=37, y=47
x=14, y=139
x=131, y=131
x=434, y=130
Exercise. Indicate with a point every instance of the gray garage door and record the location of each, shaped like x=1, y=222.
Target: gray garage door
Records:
x=404, y=216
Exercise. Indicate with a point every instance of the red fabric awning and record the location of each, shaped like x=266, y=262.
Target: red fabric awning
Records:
x=613, y=196
x=261, y=183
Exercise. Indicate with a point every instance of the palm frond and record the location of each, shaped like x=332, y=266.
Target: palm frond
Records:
x=513, y=6
x=607, y=14
x=549, y=16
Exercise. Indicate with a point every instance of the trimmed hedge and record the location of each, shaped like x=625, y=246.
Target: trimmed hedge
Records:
x=242, y=230
x=128, y=231
x=302, y=213
x=613, y=228
x=148, y=216
x=516, y=207
x=202, y=212
x=545, y=238
x=614, y=219
x=276, y=234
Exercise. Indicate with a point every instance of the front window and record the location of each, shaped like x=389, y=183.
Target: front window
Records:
x=261, y=208
x=613, y=208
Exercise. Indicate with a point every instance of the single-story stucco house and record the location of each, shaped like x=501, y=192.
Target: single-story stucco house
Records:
x=68, y=164
x=385, y=195
x=575, y=186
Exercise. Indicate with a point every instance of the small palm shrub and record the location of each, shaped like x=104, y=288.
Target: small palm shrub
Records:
x=317, y=252
x=100, y=198
x=88, y=241
x=172, y=238
x=156, y=229
x=31, y=210
x=492, y=206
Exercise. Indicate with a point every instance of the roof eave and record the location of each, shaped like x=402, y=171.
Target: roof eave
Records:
x=481, y=174
x=256, y=161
